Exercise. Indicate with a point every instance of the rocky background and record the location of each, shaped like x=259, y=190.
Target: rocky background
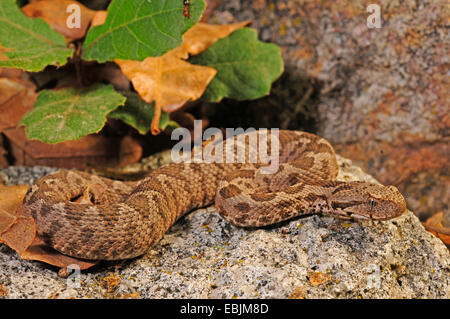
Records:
x=379, y=95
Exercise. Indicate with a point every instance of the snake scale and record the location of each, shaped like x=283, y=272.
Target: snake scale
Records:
x=119, y=220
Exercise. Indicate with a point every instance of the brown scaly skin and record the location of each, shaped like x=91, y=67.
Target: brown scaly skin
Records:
x=121, y=220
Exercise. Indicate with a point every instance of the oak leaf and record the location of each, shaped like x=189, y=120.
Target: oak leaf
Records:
x=169, y=81
x=201, y=36
x=18, y=231
x=56, y=14
x=434, y=225
x=16, y=98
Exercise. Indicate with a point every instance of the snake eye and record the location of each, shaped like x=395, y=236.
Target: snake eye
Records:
x=372, y=203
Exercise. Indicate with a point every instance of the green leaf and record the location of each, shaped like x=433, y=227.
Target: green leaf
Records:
x=245, y=66
x=69, y=114
x=27, y=43
x=138, y=113
x=135, y=30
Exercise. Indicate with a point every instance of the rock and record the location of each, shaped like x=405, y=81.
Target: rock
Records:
x=202, y=256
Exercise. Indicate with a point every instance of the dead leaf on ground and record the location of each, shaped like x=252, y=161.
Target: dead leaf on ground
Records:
x=18, y=232
x=169, y=81
x=12, y=73
x=16, y=98
x=202, y=35
x=54, y=12
x=38, y=250
x=10, y=201
x=434, y=225
x=89, y=151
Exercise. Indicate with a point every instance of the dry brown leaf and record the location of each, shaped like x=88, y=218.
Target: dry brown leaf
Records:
x=169, y=81
x=54, y=12
x=88, y=151
x=99, y=18
x=11, y=73
x=16, y=230
x=16, y=98
x=10, y=202
x=202, y=35
x=434, y=226
x=19, y=232
x=38, y=250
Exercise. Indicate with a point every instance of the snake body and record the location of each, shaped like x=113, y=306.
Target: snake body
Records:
x=119, y=220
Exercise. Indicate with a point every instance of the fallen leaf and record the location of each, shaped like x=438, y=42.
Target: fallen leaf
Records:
x=11, y=73
x=38, y=250
x=16, y=98
x=169, y=80
x=10, y=201
x=18, y=232
x=57, y=14
x=434, y=225
x=202, y=35
x=89, y=151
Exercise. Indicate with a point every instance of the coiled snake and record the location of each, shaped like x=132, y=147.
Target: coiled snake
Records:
x=124, y=219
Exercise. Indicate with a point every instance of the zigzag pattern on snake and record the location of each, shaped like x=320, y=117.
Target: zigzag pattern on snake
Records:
x=124, y=219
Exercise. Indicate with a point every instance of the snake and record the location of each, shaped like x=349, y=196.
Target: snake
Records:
x=92, y=217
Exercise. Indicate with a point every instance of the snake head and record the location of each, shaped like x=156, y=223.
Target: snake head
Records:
x=362, y=200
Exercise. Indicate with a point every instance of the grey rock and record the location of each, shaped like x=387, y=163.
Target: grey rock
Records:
x=202, y=256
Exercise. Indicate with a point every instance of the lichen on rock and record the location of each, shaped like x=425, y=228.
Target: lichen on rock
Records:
x=203, y=256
